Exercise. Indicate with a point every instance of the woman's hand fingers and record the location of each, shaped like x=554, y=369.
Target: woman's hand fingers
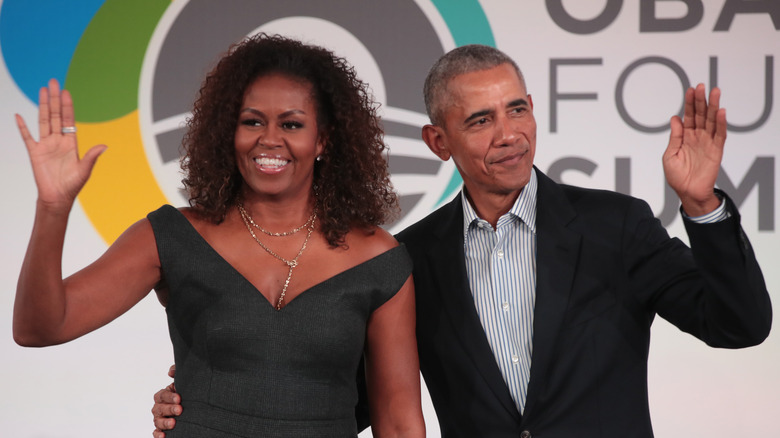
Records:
x=55, y=107
x=59, y=172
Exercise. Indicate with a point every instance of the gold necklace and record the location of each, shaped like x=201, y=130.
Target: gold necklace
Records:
x=290, y=263
x=285, y=233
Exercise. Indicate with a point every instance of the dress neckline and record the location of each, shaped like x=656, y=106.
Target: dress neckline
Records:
x=270, y=305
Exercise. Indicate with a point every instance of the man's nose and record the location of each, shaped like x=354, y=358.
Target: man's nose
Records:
x=505, y=131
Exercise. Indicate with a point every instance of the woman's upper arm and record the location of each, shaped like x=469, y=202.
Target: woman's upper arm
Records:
x=114, y=283
x=392, y=367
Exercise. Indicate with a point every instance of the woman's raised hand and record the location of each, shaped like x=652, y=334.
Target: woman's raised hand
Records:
x=59, y=173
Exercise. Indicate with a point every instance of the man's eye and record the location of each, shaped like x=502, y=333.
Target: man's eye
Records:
x=482, y=121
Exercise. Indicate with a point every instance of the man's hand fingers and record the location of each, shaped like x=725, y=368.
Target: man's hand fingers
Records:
x=712, y=111
x=700, y=107
x=720, y=127
x=688, y=113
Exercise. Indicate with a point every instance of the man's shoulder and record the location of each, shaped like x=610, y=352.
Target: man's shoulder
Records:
x=588, y=204
x=577, y=195
x=431, y=223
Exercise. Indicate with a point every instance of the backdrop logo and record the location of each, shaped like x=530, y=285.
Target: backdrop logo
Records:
x=134, y=69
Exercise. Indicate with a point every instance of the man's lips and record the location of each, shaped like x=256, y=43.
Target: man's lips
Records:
x=510, y=158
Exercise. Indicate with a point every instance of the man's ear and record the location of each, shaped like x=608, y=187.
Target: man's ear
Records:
x=530, y=102
x=433, y=136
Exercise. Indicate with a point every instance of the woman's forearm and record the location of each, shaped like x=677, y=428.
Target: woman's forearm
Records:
x=40, y=304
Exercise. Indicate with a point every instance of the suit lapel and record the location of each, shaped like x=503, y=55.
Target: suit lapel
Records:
x=448, y=262
x=556, y=259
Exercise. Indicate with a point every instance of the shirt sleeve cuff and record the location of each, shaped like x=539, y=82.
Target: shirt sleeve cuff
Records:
x=717, y=215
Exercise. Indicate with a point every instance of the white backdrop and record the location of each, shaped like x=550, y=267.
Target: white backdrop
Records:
x=105, y=380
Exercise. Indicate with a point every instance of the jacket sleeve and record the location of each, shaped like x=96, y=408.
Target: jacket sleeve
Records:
x=713, y=290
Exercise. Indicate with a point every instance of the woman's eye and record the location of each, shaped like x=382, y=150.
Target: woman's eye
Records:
x=251, y=122
x=292, y=125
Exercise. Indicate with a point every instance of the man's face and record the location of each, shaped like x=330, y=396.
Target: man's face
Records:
x=488, y=129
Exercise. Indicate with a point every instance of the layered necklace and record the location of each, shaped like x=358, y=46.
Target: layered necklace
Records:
x=309, y=225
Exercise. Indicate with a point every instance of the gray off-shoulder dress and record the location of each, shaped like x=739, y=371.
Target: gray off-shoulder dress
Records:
x=245, y=369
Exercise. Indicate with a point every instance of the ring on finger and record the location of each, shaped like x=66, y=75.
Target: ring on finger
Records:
x=68, y=129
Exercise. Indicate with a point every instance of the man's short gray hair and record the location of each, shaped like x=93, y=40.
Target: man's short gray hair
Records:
x=464, y=59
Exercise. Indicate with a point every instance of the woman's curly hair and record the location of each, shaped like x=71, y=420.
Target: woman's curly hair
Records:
x=351, y=181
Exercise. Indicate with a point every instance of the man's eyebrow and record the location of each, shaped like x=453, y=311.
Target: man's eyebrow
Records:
x=517, y=102
x=486, y=112
x=476, y=115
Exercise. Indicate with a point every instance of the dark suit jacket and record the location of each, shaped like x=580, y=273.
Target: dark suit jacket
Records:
x=605, y=268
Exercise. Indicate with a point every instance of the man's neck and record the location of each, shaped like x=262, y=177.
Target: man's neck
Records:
x=491, y=206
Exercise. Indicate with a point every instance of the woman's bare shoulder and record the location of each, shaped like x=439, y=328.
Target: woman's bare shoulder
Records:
x=368, y=243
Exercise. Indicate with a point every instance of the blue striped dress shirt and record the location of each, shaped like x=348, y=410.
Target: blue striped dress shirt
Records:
x=501, y=266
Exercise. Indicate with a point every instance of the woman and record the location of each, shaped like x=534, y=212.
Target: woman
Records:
x=277, y=275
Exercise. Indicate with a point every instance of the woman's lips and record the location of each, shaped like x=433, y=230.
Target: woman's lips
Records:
x=271, y=164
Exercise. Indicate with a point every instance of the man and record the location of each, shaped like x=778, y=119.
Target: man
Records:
x=535, y=299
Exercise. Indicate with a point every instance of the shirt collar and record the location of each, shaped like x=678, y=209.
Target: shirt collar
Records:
x=524, y=207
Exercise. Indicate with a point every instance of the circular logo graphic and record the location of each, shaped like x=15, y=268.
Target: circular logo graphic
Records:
x=136, y=67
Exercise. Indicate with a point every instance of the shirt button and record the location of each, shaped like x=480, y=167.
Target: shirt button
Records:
x=525, y=434
x=515, y=359
x=500, y=253
x=505, y=307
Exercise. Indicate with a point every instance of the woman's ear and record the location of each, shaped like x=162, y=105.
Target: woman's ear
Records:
x=322, y=140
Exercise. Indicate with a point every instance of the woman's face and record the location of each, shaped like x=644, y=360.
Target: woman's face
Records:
x=277, y=138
